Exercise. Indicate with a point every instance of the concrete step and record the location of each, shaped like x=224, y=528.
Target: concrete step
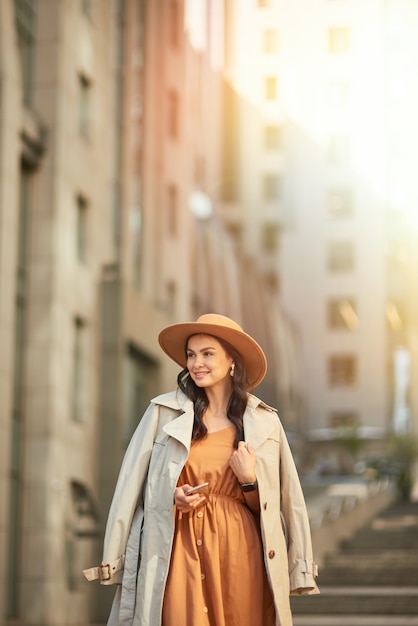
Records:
x=394, y=529
x=380, y=558
x=355, y=620
x=390, y=567
x=372, y=541
x=372, y=576
x=370, y=580
x=359, y=600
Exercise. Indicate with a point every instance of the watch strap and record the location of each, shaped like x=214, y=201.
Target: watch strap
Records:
x=249, y=486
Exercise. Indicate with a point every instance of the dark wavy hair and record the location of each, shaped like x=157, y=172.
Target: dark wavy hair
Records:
x=237, y=401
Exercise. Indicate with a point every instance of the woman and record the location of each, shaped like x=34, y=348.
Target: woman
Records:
x=233, y=550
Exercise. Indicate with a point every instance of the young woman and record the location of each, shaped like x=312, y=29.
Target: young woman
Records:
x=230, y=552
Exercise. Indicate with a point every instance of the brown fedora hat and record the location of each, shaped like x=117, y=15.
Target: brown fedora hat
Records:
x=173, y=339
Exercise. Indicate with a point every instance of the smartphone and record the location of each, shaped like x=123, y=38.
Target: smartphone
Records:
x=193, y=489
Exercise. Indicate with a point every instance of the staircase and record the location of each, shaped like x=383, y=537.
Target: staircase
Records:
x=373, y=578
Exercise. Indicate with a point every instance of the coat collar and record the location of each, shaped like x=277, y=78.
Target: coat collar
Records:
x=256, y=427
x=176, y=400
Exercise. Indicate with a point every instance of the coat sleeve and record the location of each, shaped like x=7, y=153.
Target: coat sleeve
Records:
x=302, y=568
x=127, y=495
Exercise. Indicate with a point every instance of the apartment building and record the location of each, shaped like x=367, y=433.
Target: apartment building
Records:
x=325, y=96
x=114, y=150
x=59, y=234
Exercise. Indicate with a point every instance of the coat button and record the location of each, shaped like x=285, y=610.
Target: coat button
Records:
x=272, y=554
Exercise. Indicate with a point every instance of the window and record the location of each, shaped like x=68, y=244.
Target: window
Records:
x=397, y=256
x=395, y=315
x=272, y=137
x=81, y=242
x=174, y=23
x=84, y=106
x=173, y=114
x=172, y=209
x=25, y=16
x=229, y=143
x=339, y=203
x=17, y=413
x=85, y=516
x=140, y=385
x=87, y=8
x=135, y=233
x=338, y=149
x=271, y=187
x=342, y=370
x=342, y=314
x=272, y=281
x=171, y=298
x=344, y=419
x=79, y=370
x=340, y=256
x=270, y=237
x=270, y=41
x=236, y=234
x=271, y=88
x=200, y=170
x=338, y=40
x=338, y=93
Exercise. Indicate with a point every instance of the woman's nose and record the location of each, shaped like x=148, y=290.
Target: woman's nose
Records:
x=198, y=361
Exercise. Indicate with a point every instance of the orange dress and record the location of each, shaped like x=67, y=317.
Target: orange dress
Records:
x=217, y=575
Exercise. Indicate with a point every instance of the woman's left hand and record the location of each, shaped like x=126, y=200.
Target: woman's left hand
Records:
x=186, y=503
x=242, y=462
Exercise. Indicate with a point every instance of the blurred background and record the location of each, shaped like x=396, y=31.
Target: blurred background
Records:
x=164, y=159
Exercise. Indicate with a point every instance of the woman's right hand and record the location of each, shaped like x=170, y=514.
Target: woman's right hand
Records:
x=186, y=503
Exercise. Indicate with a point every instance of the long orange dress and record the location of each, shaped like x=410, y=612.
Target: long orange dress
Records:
x=217, y=575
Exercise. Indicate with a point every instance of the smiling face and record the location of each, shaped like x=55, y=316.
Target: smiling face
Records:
x=208, y=363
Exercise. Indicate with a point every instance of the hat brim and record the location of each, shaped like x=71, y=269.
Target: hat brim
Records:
x=173, y=339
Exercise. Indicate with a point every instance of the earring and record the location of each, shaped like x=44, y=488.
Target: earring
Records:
x=232, y=370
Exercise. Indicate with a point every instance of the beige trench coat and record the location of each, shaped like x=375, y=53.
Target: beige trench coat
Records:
x=150, y=470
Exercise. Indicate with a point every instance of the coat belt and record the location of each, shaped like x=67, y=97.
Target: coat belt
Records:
x=104, y=571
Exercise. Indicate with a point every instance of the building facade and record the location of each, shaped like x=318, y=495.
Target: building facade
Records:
x=327, y=135
x=114, y=155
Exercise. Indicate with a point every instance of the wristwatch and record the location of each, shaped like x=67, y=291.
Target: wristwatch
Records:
x=249, y=486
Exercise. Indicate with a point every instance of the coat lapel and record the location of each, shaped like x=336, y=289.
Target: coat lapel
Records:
x=181, y=427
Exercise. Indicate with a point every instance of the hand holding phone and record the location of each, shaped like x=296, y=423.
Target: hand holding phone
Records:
x=193, y=489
